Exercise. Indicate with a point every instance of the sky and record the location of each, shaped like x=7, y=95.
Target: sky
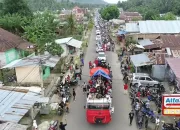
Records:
x=113, y=1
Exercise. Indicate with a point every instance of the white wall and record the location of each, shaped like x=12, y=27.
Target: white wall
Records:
x=28, y=74
x=2, y=59
x=66, y=51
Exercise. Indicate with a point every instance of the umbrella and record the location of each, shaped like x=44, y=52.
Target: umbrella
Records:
x=94, y=70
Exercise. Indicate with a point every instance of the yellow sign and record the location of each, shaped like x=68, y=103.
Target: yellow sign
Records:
x=172, y=111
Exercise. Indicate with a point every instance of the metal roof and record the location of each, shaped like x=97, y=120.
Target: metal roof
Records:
x=75, y=43
x=145, y=42
x=48, y=60
x=12, y=126
x=174, y=63
x=14, y=104
x=63, y=40
x=159, y=26
x=140, y=60
x=132, y=27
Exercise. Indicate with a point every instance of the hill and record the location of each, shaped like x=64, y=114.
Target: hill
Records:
x=86, y=1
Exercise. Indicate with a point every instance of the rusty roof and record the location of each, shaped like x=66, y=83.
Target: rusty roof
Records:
x=170, y=41
x=8, y=40
x=174, y=63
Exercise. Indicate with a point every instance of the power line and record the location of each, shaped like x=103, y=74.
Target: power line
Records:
x=19, y=83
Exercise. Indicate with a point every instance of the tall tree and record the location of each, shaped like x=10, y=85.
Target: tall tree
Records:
x=110, y=12
x=16, y=6
x=41, y=31
x=71, y=24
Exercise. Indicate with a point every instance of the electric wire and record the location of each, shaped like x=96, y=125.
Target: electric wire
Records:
x=18, y=84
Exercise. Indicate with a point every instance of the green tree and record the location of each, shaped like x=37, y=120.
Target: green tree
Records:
x=16, y=6
x=14, y=23
x=151, y=15
x=109, y=12
x=169, y=16
x=129, y=40
x=41, y=31
x=71, y=25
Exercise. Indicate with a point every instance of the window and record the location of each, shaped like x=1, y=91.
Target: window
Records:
x=142, y=78
x=140, y=38
x=148, y=79
x=137, y=78
x=98, y=106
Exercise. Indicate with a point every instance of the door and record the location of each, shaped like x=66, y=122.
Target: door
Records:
x=142, y=80
x=149, y=81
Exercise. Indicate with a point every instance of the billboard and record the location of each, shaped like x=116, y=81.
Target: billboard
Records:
x=171, y=104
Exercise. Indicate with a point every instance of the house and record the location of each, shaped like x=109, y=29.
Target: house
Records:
x=29, y=69
x=69, y=45
x=173, y=70
x=12, y=126
x=12, y=47
x=78, y=12
x=152, y=29
x=169, y=43
x=130, y=16
x=18, y=106
x=65, y=14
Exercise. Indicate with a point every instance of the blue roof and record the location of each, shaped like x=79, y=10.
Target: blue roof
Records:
x=121, y=32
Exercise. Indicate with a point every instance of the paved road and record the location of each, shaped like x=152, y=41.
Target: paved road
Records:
x=76, y=119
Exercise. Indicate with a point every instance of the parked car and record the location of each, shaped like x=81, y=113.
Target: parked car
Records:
x=143, y=78
x=98, y=37
x=102, y=56
x=99, y=49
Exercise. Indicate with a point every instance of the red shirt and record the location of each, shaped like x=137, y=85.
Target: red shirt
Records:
x=125, y=87
x=90, y=82
x=90, y=64
x=138, y=94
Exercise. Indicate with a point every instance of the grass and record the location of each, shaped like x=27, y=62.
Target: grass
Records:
x=51, y=116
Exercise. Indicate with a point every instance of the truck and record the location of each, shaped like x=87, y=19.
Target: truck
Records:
x=99, y=110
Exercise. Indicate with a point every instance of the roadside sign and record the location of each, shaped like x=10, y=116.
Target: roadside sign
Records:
x=171, y=104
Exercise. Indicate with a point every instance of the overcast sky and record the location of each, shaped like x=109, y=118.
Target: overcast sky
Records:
x=113, y=1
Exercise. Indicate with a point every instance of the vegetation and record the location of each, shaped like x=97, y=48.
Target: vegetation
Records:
x=129, y=40
x=109, y=12
x=150, y=9
x=15, y=6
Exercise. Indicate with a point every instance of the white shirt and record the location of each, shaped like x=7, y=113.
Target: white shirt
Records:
x=64, y=100
x=157, y=121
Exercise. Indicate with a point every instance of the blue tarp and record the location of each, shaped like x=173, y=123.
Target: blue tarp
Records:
x=121, y=33
x=102, y=73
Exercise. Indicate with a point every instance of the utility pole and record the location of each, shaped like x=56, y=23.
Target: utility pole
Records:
x=41, y=77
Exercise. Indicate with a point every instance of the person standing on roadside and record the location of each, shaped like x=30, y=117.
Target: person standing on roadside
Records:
x=125, y=88
x=146, y=122
x=74, y=95
x=131, y=116
x=82, y=61
x=157, y=123
x=62, y=126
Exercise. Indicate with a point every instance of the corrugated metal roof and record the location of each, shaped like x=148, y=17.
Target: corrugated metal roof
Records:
x=14, y=104
x=174, y=63
x=132, y=27
x=63, y=40
x=145, y=42
x=140, y=60
x=48, y=60
x=75, y=43
x=12, y=126
x=159, y=26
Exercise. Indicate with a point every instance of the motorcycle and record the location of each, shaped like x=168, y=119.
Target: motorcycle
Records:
x=150, y=113
x=53, y=125
x=60, y=111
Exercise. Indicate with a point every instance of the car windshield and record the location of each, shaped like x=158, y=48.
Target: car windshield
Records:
x=98, y=106
x=101, y=55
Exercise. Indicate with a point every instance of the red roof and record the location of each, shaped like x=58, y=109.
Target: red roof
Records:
x=8, y=40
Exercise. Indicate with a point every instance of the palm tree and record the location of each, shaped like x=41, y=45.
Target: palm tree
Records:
x=71, y=24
